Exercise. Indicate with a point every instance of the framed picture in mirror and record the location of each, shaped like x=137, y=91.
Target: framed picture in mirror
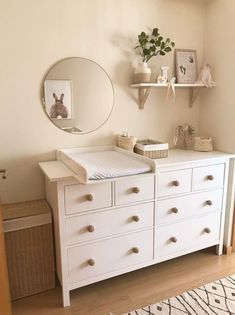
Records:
x=186, y=66
x=58, y=99
x=77, y=95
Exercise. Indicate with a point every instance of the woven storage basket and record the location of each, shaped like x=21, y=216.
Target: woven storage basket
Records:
x=127, y=143
x=152, y=149
x=29, y=247
x=203, y=144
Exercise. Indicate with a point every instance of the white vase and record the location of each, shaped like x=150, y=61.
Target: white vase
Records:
x=142, y=73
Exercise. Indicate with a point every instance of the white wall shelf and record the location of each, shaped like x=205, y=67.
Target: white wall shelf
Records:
x=144, y=90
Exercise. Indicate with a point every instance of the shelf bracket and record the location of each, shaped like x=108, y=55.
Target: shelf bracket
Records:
x=143, y=94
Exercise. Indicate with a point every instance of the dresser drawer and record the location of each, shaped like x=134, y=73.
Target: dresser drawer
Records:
x=208, y=176
x=87, y=261
x=174, y=182
x=169, y=210
x=173, y=238
x=134, y=189
x=80, y=198
x=92, y=226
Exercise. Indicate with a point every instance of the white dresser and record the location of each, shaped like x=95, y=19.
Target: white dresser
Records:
x=116, y=226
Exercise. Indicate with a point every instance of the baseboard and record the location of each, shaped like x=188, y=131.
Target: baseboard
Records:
x=228, y=250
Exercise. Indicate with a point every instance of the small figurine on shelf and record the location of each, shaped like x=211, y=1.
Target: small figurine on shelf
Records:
x=183, y=138
x=205, y=76
x=163, y=76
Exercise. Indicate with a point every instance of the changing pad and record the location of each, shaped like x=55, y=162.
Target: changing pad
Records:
x=109, y=164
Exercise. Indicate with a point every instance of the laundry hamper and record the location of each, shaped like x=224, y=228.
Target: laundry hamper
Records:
x=29, y=247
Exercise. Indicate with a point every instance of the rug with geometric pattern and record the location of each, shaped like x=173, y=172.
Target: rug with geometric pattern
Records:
x=216, y=298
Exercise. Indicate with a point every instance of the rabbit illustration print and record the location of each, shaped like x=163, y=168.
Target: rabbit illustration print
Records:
x=57, y=95
x=58, y=110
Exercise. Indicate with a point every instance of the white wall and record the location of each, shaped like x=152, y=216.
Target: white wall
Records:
x=36, y=34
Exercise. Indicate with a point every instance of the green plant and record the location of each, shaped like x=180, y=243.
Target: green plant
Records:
x=153, y=45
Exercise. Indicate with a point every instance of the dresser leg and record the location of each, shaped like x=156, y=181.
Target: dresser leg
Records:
x=219, y=249
x=66, y=297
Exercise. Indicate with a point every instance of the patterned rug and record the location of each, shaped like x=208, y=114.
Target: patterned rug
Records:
x=214, y=298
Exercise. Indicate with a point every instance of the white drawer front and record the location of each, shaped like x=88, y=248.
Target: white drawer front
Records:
x=174, y=182
x=90, y=227
x=79, y=198
x=208, y=177
x=174, y=238
x=134, y=190
x=169, y=210
x=87, y=261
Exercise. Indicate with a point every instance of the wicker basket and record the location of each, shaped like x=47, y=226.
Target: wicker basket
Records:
x=126, y=142
x=203, y=144
x=152, y=149
x=29, y=247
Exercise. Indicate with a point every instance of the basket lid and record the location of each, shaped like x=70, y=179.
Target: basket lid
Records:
x=24, y=209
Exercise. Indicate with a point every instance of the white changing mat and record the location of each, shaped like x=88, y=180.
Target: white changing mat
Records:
x=109, y=164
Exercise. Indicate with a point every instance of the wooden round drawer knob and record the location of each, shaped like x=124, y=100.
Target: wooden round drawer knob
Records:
x=174, y=210
x=89, y=197
x=210, y=177
x=136, y=190
x=91, y=228
x=173, y=239
x=91, y=262
x=135, y=250
x=136, y=218
x=209, y=202
x=175, y=183
x=207, y=230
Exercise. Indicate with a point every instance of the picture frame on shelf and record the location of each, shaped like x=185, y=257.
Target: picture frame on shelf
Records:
x=186, y=66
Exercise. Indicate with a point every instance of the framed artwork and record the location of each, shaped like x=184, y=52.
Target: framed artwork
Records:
x=186, y=66
x=58, y=99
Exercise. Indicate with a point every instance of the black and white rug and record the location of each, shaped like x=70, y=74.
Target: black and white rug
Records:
x=216, y=298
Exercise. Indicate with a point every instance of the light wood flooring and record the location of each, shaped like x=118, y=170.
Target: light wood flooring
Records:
x=133, y=290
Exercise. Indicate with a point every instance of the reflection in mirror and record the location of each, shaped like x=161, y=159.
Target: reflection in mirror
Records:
x=78, y=95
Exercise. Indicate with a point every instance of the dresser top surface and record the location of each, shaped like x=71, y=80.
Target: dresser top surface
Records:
x=177, y=157
x=58, y=171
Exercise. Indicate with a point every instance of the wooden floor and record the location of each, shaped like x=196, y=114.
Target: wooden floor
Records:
x=133, y=290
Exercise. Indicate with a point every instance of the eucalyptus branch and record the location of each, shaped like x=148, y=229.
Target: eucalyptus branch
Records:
x=153, y=44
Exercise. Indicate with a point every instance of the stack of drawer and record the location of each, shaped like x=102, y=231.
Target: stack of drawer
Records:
x=189, y=207
x=109, y=226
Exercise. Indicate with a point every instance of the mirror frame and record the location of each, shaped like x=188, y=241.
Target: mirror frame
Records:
x=44, y=103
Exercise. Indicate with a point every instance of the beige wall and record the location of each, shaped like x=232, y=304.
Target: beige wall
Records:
x=218, y=105
x=36, y=34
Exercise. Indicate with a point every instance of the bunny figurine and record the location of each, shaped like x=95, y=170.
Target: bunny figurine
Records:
x=205, y=76
x=58, y=110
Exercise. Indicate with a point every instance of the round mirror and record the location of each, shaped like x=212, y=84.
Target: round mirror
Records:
x=78, y=95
